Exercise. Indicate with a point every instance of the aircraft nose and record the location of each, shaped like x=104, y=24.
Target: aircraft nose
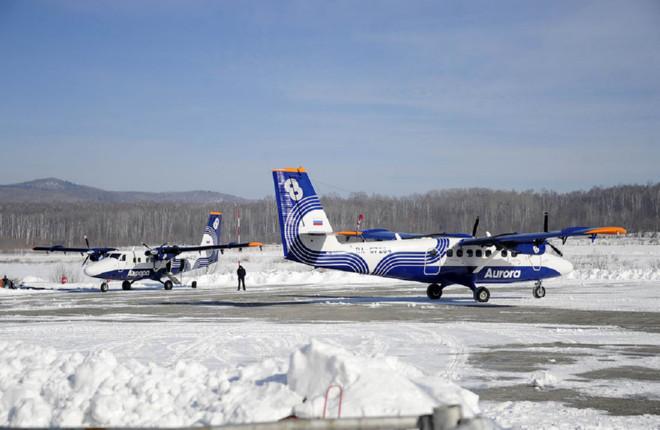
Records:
x=564, y=267
x=90, y=270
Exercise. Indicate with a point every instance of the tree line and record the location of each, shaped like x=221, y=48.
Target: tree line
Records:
x=636, y=207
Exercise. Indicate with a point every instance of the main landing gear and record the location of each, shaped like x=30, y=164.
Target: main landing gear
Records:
x=169, y=284
x=434, y=291
x=480, y=294
x=126, y=285
x=539, y=290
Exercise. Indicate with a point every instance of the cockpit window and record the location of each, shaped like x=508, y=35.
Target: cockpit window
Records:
x=115, y=256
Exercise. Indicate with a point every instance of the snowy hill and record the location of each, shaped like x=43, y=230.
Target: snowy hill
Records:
x=50, y=190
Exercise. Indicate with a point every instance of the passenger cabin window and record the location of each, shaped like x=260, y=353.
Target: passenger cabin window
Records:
x=459, y=253
x=469, y=253
x=478, y=253
x=450, y=253
x=488, y=253
x=514, y=254
x=123, y=258
x=139, y=260
x=504, y=253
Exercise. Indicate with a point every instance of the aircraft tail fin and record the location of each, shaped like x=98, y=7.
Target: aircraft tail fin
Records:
x=299, y=207
x=211, y=235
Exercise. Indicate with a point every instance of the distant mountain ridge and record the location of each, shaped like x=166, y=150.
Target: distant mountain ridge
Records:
x=49, y=190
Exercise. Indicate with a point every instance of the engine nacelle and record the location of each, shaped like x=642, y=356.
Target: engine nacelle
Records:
x=530, y=248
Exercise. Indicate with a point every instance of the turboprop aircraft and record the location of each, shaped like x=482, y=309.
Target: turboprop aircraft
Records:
x=161, y=263
x=439, y=260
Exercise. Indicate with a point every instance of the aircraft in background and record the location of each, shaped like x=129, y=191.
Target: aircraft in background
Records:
x=162, y=263
x=440, y=260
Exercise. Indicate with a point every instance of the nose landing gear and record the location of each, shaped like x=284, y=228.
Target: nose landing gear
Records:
x=539, y=290
x=481, y=294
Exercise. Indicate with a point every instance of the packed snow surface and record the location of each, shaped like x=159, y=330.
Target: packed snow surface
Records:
x=40, y=386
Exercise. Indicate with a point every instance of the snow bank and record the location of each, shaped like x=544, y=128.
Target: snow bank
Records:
x=621, y=274
x=43, y=387
x=372, y=385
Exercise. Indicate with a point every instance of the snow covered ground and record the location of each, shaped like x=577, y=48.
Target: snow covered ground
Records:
x=586, y=356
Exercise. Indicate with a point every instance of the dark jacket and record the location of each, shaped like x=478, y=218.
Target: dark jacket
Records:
x=240, y=272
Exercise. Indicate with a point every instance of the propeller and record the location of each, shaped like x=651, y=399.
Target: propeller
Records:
x=88, y=254
x=554, y=248
x=545, y=230
x=154, y=253
x=475, y=227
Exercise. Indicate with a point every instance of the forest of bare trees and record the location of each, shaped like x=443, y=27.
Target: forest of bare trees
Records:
x=636, y=207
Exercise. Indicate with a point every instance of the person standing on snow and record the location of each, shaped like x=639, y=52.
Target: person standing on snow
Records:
x=241, y=277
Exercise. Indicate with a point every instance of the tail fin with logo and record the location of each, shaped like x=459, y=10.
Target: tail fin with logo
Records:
x=299, y=207
x=211, y=236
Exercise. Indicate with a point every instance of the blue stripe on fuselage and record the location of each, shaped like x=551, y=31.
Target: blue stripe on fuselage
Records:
x=487, y=275
x=134, y=274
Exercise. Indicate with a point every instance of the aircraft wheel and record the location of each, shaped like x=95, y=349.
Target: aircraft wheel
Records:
x=168, y=285
x=434, y=291
x=482, y=295
x=194, y=284
x=539, y=292
x=104, y=287
x=125, y=285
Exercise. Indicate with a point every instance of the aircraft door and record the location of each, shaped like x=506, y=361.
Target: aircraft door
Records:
x=123, y=265
x=431, y=262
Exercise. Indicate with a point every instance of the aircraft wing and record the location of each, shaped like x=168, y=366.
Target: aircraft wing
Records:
x=373, y=234
x=384, y=234
x=515, y=239
x=175, y=250
x=60, y=248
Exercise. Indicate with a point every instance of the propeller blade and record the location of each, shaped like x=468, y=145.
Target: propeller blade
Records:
x=475, y=226
x=145, y=245
x=545, y=222
x=86, y=241
x=85, y=260
x=561, y=254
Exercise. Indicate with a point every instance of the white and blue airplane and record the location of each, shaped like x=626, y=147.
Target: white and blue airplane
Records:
x=440, y=260
x=162, y=263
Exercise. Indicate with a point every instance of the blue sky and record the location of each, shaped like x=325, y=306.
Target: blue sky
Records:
x=387, y=97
